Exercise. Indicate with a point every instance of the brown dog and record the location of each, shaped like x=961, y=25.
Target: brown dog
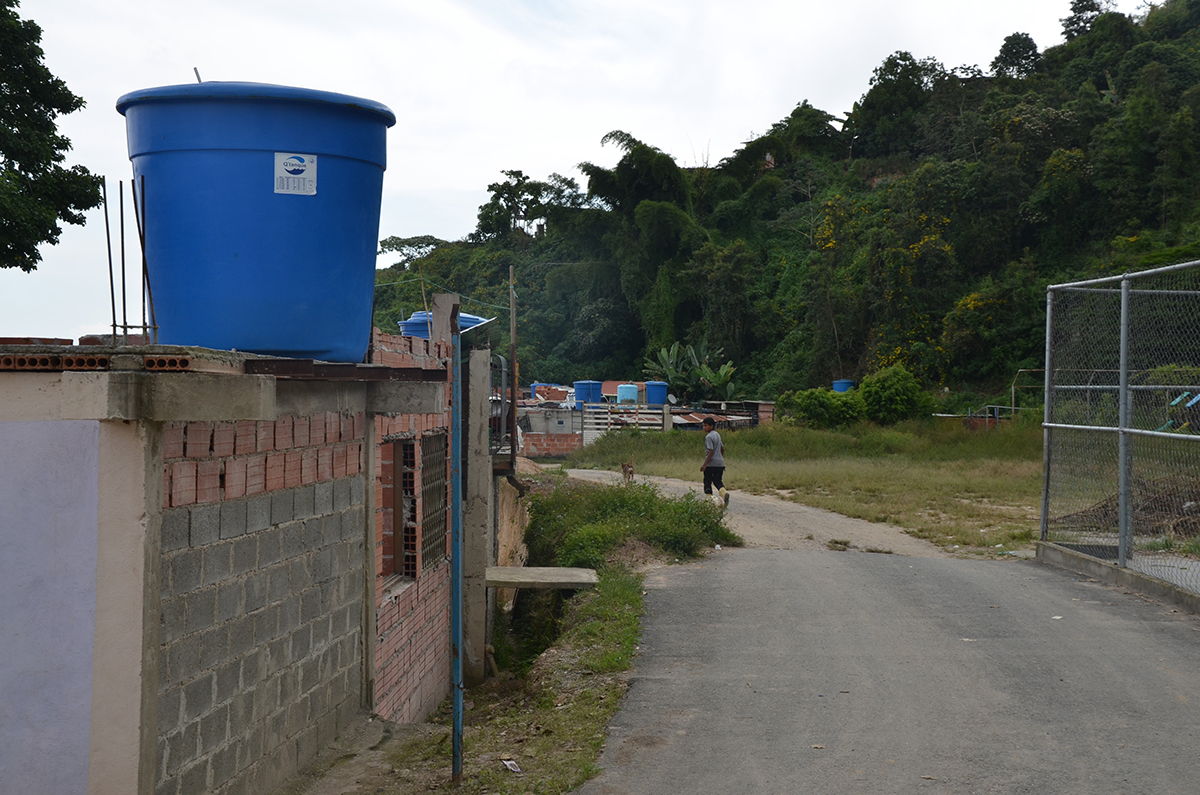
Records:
x=627, y=471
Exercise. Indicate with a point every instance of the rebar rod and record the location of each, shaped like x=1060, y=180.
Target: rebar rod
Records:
x=147, y=292
x=112, y=286
x=124, y=306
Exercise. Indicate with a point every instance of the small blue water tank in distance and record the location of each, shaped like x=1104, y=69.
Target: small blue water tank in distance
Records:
x=587, y=392
x=843, y=385
x=656, y=393
x=627, y=393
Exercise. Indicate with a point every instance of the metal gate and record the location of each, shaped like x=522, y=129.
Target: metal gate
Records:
x=600, y=418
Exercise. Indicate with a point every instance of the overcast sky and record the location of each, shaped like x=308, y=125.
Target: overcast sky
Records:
x=479, y=87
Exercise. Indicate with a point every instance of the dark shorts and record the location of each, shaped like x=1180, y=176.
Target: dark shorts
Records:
x=713, y=476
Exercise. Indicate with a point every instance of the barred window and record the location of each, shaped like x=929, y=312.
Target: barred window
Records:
x=434, y=496
x=406, y=510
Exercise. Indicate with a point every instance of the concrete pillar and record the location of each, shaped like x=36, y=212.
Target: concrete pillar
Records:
x=478, y=549
x=443, y=306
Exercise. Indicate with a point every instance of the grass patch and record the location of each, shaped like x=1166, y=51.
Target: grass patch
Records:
x=551, y=722
x=937, y=480
x=566, y=659
x=579, y=524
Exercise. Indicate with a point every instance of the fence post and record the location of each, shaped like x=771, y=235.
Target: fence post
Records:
x=1047, y=416
x=1125, y=526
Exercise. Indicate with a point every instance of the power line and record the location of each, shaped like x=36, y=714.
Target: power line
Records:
x=447, y=289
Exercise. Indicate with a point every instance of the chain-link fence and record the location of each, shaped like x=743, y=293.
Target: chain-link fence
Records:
x=1122, y=422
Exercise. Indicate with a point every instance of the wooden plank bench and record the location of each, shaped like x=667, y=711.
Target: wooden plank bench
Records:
x=540, y=577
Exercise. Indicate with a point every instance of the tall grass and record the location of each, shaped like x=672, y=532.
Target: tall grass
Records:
x=938, y=480
x=578, y=524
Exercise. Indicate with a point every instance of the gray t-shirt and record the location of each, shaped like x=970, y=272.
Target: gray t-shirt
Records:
x=713, y=442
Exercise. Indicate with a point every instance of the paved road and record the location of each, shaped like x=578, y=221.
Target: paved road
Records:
x=777, y=670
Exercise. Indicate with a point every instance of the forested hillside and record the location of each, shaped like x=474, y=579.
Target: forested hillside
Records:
x=921, y=229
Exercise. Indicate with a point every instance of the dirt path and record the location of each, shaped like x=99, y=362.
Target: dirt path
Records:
x=772, y=523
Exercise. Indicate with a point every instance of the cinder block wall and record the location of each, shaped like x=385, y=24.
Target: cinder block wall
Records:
x=262, y=595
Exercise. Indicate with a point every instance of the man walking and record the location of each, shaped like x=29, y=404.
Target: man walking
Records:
x=714, y=462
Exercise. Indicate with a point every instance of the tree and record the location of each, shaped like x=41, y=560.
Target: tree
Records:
x=1083, y=14
x=1018, y=56
x=410, y=249
x=36, y=192
x=884, y=121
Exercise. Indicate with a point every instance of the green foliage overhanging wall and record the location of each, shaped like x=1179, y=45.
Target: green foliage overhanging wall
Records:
x=919, y=231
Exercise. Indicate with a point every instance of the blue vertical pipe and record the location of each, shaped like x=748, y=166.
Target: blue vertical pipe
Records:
x=456, y=545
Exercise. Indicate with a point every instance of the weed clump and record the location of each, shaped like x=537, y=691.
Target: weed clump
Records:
x=580, y=524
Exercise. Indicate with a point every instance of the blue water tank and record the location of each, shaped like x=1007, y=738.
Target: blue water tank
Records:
x=627, y=393
x=843, y=385
x=417, y=324
x=587, y=392
x=656, y=393
x=261, y=214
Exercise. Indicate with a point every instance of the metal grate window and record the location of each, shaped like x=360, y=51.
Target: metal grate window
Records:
x=433, y=500
x=406, y=505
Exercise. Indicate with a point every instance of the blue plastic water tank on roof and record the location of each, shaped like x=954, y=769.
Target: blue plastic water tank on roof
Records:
x=417, y=324
x=261, y=214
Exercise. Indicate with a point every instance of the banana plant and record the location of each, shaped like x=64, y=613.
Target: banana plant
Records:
x=688, y=374
x=718, y=384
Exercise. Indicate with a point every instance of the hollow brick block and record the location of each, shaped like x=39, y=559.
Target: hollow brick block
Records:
x=235, y=478
x=183, y=483
x=275, y=471
x=325, y=464
x=208, y=481
x=291, y=469
x=339, y=461
x=198, y=439
x=266, y=436
x=316, y=430
x=246, y=440
x=256, y=474
x=283, y=433
x=300, y=431
x=308, y=466
x=224, y=439
x=172, y=441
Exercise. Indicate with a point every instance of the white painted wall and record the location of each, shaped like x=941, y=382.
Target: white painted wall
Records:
x=49, y=519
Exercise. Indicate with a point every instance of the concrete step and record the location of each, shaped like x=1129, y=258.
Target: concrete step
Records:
x=540, y=577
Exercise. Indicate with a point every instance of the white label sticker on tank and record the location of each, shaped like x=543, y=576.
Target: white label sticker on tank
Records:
x=295, y=173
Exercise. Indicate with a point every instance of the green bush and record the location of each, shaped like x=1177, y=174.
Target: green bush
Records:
x=824, y=408
x=892, y=395
x=586, y=546
x=579, y=524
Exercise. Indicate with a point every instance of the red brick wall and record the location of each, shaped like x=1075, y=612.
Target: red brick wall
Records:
x=412, y=650
x=412, y=618
x=396, y=351
x=550, y=445
x=214, y=461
